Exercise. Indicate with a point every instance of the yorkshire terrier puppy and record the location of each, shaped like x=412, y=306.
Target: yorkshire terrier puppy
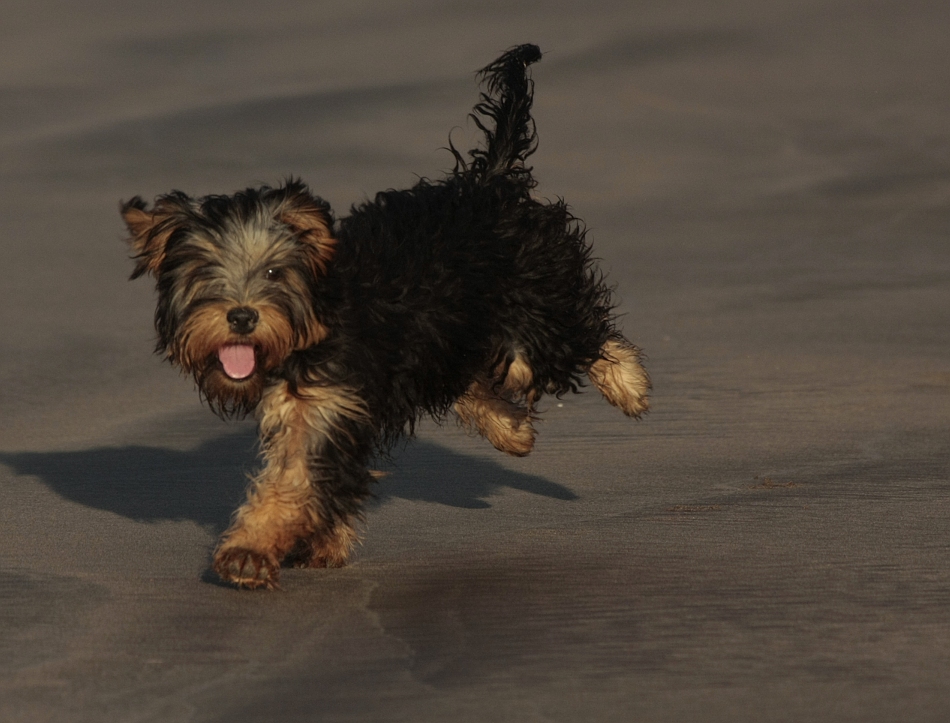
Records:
x=465, y=294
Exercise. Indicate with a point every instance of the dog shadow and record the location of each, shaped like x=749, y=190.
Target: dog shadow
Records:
x=207, y=483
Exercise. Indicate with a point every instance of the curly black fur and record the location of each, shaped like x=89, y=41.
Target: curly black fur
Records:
x=434, y=284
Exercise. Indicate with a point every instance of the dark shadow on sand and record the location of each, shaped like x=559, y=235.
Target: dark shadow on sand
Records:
x=206, y=484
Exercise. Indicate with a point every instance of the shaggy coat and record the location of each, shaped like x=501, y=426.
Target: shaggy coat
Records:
x=466, y=294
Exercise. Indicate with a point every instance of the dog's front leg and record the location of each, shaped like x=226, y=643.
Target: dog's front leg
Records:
x=305, y=434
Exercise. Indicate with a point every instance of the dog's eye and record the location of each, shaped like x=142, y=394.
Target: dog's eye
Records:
x=274, y=274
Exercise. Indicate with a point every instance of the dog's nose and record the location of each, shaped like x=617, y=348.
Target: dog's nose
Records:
x=242, y=320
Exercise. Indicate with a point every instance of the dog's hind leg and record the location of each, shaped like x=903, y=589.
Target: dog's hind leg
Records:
x=621, y=378
x=501, y=412
x=505, y=424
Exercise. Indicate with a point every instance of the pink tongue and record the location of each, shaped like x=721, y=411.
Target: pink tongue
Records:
x=237, y=360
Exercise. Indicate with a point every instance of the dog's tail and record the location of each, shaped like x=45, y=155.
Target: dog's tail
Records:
x=504, y=115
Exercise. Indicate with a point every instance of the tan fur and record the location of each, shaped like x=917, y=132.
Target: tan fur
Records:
x=283, y=501
x=149, y=233
x=503, y=417
x=301, y=214
x=518, y=380
x=206, y=330
x=324, y=549
x=621, y=378
x=505, y=424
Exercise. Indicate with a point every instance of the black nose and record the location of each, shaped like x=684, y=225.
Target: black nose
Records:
x=242, y=320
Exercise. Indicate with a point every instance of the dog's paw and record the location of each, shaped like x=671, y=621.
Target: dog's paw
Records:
x=304, y=556
x=621, y=378
x=247, y=568
x=316, y=561
x=323, y=550
x=506, y=424
x=514, y=436
x=328, y=559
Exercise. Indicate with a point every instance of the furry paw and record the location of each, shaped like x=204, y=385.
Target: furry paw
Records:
x=621, y=378
x=304, y=556
x=505, y=424
x=323, y=550
x=247, y=568
x=513, y=435
x=319, y=561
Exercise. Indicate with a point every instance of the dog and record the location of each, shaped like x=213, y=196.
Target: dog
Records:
x=466, y=295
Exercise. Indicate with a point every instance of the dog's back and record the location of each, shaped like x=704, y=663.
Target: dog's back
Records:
x=454, y=280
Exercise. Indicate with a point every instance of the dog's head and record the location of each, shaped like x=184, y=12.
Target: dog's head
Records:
x=236, y=278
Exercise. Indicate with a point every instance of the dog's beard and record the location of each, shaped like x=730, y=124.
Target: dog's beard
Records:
x=231, y=382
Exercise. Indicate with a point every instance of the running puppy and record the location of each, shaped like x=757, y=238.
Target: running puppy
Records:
x=462, y=294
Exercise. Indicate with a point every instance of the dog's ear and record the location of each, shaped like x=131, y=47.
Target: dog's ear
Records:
x=149, y=231
x=311, y=219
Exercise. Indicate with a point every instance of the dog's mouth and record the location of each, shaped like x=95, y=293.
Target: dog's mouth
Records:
x=237, y=360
